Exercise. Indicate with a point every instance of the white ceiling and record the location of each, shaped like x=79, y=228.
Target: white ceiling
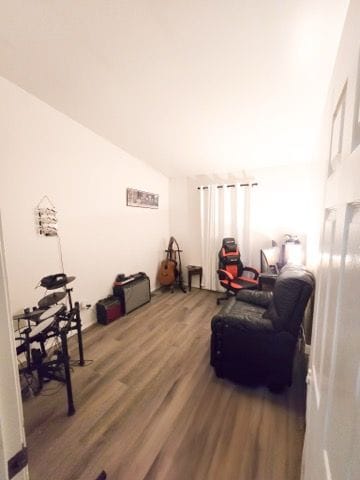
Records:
x=189, y=86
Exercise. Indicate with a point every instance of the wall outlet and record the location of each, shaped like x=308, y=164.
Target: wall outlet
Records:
x=85, y=305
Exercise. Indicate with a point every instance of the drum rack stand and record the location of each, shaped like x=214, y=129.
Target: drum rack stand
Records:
x=58, y=369
x=76, y=325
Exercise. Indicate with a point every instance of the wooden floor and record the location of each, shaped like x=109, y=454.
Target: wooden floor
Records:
x=150, y=407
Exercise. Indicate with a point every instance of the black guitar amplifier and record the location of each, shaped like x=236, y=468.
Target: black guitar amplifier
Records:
x=108, y=309
x=133, y=292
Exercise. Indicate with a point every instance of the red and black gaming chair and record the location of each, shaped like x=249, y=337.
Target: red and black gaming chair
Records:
x=231, y=270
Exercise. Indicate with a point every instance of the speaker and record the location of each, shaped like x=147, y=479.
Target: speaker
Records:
x=134, y=293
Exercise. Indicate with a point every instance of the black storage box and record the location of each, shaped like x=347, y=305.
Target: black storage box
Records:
x=108, y=309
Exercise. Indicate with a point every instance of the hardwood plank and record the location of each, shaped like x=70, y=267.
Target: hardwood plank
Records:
x=149, y=407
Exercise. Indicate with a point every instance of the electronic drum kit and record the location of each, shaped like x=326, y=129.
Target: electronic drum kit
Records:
x=50, y=319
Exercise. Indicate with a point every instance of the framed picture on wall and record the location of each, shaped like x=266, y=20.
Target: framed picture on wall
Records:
x=138, y=198
x=337, y=132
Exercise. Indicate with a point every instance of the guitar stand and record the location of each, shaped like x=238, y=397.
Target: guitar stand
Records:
x=178, y=278
x=181, y=286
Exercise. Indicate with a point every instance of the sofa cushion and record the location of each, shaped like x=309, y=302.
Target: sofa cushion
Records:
x=292, y=291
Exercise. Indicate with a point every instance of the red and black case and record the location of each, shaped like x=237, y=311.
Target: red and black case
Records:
x=108, y=309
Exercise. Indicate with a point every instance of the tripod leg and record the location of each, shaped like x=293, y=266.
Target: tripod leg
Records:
x=27, y=352
x=79, y=334
x=43, y=350
x=65, y=360
x=37, y=361
x=68, y=291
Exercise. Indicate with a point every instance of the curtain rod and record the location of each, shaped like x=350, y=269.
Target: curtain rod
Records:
x=232, y=186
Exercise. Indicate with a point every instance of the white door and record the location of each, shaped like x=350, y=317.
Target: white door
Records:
x=332, y=440
x=12, y=437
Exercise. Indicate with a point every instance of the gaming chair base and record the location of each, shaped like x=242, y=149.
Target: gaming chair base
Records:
x=228, y=294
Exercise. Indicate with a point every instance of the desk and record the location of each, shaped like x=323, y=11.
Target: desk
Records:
x=193, y=270
x=267, y=281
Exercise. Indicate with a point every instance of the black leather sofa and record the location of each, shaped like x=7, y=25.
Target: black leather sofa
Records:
x=255, y=334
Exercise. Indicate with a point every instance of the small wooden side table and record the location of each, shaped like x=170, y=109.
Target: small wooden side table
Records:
x=193, y=270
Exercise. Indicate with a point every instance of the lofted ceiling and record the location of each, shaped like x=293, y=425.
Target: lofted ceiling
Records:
x=189, y=86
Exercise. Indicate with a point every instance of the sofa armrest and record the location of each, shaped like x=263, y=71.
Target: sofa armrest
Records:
x=247, y=323
x=255, y=297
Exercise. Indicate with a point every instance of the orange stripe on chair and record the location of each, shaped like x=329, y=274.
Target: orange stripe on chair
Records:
x=233, y=269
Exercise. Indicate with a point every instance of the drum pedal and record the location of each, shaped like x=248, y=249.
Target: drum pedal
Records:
x=36, y=355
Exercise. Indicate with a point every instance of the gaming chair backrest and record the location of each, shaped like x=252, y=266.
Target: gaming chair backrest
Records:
x=229, y=257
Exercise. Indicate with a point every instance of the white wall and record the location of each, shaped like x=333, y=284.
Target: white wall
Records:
x=43, y=152
x=287, y=200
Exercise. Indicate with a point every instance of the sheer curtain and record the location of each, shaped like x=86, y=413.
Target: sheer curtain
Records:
x=224, y=212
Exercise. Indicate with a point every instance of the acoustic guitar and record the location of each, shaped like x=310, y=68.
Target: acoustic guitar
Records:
x=167, y=272
x=170, y=269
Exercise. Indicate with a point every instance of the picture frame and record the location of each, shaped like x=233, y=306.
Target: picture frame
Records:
x=139, y=198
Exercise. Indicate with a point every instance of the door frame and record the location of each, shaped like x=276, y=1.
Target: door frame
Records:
x=12, y=432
